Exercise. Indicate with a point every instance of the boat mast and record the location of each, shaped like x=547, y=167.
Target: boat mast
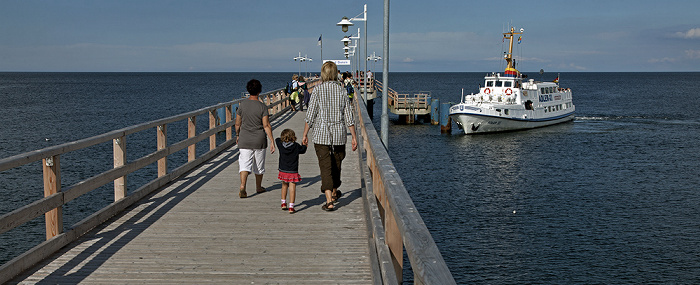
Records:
x=509, y=55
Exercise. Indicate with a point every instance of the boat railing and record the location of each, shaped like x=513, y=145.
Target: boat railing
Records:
x=56, y=195
x=393, y=219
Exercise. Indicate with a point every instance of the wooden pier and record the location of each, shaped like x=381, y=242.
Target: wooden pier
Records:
x=189, y=226
x=197, y=230
x=408, y=105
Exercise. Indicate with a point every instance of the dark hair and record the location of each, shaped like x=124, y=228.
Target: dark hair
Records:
x=254, y=87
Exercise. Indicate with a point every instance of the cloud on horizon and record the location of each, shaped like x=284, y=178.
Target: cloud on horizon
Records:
x=690, y=34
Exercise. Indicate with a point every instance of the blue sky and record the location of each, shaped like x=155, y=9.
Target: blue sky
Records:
x=204, y=35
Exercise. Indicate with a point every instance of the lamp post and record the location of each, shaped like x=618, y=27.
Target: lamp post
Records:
x=345, y=23
x=385, y=79
x=374, y=58
x=299, y=59
x=307, y=59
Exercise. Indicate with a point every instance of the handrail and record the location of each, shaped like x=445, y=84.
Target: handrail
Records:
x=56, y=196
x=395, y=222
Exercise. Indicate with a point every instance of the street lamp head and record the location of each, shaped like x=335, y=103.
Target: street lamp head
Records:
x=346, y=41
x=344, y=23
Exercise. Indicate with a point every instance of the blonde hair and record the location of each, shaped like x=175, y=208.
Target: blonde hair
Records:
x=294, y=76
x=288, y=135
x=329, y=71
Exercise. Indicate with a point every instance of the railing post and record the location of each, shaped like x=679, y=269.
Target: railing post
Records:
x=52, y=185
x=278, y=107
x=162, y=141
x=229, y=115
x=212, y=124
x=119, y=145
x=192, y=132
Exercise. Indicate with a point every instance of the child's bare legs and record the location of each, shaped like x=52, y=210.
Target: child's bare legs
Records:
x=292, y=196
x=292, y=192
x=285, y=185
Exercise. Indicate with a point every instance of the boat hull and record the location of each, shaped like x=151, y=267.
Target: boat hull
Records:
x=478, y=123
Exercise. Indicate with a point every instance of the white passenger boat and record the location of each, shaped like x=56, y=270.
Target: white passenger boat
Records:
x=510, y=101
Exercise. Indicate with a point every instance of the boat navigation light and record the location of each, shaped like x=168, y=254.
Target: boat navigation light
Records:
x=522, y=30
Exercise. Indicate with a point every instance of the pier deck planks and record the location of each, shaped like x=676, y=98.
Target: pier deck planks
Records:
x=196, y=230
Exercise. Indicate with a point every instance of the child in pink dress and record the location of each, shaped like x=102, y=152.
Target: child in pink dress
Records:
x=289, y=151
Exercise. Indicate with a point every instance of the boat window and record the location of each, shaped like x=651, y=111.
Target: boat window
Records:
x=551, y=89
x=499, y=83
x=542, y=90
x=508, y=84
x=489, y=83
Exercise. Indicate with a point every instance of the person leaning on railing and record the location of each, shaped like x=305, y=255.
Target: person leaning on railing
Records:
x=329, y=114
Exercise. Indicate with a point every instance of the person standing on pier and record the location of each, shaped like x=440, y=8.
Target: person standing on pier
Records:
x=289, y=151
x=252, y=124
x=329, y=114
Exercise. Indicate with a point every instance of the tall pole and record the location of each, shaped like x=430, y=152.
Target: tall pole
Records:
x=385, y=79
x=364, y=89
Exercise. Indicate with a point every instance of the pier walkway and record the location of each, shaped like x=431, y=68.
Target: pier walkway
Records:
x=189, y=226
x=197, y=230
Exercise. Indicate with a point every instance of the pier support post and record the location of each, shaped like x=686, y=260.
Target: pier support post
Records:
x=192, y=132
x=119, y=146
x=229, y=116
x=435, y=111
x=52, y=185
x=162, y=142
x=212, y=124
x=445, y=120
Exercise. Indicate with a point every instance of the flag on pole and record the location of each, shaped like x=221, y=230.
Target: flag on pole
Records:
x=319, y=39
x=520, y=38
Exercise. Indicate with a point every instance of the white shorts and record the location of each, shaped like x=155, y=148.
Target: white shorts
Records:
x=252, y=160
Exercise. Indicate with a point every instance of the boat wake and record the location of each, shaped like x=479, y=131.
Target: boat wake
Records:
x=640, y=120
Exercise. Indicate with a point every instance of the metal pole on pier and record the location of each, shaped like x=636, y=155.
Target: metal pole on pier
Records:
x=385, y=79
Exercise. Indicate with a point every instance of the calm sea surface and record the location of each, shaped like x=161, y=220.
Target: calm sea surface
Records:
x=609, y=198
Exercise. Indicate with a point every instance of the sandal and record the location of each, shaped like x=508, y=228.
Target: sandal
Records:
x=292, y=211
x=336, y=195
x=261, y=190
x=284, y=206
x=326, y=208
x=242, y=193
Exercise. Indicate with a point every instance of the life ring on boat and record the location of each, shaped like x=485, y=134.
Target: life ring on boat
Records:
x=509, y=91
x=487, y=91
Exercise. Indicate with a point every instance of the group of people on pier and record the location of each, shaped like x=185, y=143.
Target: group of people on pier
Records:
x=329, y=115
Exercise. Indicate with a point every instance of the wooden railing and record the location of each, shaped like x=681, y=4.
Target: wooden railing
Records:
x=392, y=217
x=57, y=196
x=399, y=102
